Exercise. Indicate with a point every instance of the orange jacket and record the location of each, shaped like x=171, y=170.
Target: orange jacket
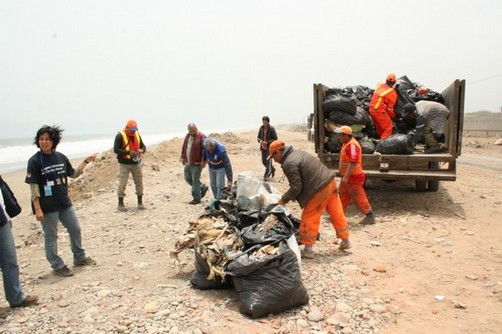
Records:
x=346, y=159
x=383, y=100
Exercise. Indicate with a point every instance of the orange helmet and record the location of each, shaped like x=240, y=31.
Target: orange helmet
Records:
x=391, y=77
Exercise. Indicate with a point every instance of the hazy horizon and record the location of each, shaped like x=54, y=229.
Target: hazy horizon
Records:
x=90, y=66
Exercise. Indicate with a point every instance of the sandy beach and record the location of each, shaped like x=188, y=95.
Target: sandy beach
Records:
x=432, y=263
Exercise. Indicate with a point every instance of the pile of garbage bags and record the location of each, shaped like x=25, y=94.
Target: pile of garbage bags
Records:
x=246, y=242
x=350, y=106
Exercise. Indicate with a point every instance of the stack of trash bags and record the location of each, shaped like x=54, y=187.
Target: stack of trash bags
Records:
x=244, y=241
x=349, y=106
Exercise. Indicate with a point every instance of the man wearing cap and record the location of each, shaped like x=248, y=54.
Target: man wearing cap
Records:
x=408, y=120
x=129, y=148
x=381, y=108
x=352, y=175
x=313, y=185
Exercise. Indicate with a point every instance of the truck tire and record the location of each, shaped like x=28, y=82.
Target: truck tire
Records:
x=433, y=185
x=420, y=185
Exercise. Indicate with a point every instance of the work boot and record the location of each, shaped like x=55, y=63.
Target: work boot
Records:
x=369, y=219
x=308, y=252
x=140, y=203
x=345, y=244
x=121, y=206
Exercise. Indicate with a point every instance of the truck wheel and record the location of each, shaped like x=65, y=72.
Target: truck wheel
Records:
x=433, y=185
x=420, y=185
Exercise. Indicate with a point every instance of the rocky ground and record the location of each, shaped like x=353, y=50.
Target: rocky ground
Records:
x=432, y=263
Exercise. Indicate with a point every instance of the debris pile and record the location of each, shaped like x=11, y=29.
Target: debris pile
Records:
x=254, y=251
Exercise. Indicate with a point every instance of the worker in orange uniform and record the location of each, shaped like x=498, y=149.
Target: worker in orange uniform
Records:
x=352, y=175
x=381, y=107
x=313, y=185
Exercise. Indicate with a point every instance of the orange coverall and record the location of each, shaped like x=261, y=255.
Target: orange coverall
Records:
x=351, y=153
x=381, y=109
x=326, y=199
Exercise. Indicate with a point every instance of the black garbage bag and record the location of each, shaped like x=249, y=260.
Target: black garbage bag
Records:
x=199, y=277
x=340, y=99
x=333, y=144
x=367, y=147
x=275, y=227
x=267, y=283
x=430, y=96
x=361, y=117
x=402, y=98
x=404, y=83
x=396, y=144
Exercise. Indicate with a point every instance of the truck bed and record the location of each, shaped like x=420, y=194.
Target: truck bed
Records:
x=425, y=169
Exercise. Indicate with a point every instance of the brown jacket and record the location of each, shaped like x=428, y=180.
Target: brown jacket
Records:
x=306, y=175
x=196, y=152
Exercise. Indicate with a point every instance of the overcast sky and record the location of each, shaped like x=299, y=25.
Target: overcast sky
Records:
x=89, y=66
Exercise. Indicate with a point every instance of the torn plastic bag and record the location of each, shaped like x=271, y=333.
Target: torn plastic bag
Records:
x=199, y=277
x=267, y=283
x=254, y=194
x=396, y=144
x=274, y=227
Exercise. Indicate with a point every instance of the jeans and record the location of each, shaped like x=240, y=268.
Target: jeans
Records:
x=217, y=181
x=69, y=219
x=269, y=167
x=10, y=270
x=191, y=174
x=137, y=177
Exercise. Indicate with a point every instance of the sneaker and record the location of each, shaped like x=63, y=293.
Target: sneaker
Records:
x=194, y=201
x=345, y=244
x=203, y=191
x=28, y=301
x=368, y=220
x=84, y=262
x=308, y=253
x=63, y=272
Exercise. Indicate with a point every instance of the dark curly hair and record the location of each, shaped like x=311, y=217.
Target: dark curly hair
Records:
x=55, y=134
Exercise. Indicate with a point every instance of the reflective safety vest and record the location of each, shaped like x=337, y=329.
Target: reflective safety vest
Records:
x=384, y=99
x=125, y=142
x=344, y=162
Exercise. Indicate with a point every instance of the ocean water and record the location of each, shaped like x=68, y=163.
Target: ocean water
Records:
x=15, y=152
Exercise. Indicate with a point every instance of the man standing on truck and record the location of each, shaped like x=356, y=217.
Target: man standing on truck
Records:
x=313, y=185
x=352, y=175
x=381, y=107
